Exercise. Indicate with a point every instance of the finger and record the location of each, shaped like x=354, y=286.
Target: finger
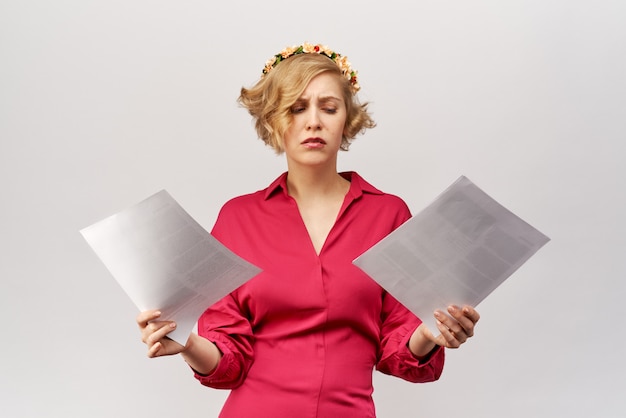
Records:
x=468, y=319
x=446, y=337
x=155, y=330
x=153, y=350
x=464, y=325
x=143, y=318
x=454, y=327
x=154, y=326
x=471, y=313
x=160, y=333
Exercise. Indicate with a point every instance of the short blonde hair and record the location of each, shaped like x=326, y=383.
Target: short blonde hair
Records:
x=270, y=100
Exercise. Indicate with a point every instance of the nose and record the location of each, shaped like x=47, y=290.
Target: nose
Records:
x=313, y=120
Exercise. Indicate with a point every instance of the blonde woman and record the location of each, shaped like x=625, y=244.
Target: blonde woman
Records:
x=303, y=337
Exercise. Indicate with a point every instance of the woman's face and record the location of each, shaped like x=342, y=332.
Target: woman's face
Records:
x=318, y=121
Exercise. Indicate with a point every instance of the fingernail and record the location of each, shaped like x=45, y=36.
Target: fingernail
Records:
x=173, y=325
x=437, y=314
x=452, y=309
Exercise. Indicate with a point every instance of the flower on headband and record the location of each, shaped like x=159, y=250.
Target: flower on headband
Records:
x=307, y=48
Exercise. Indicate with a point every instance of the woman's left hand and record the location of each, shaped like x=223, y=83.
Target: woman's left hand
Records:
x=455, y=327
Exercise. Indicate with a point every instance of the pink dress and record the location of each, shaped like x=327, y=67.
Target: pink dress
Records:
x=303, y=337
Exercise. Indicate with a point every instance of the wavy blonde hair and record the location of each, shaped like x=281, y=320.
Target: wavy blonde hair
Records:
x=270, y=100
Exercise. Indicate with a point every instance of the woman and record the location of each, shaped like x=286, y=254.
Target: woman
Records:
x=303, y=337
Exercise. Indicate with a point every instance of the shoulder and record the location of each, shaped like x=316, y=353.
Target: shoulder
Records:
x=360, y=187
x=247, y=208
x=236, y=215
x=243, y=201
x=241, y=207
x=248, y=201
x=377, y=206
x=393, y=201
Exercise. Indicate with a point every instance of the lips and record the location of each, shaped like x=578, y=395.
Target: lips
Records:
x=314, y=141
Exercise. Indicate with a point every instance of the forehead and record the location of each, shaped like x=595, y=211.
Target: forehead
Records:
x=325, y=85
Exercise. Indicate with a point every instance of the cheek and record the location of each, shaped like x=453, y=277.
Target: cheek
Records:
x=340, y=125
x=286, y=140
x=290, y=130
x=295, y=124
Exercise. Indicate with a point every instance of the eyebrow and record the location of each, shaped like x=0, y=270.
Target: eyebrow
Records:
x=328, y=98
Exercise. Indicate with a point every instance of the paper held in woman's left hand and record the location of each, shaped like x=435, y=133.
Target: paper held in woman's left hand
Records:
x=165, y=260
x=457, y=250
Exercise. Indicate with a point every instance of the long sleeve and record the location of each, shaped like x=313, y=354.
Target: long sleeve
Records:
x=224, y=324
x=395, y=358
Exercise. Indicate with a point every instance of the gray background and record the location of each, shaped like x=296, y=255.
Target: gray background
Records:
x=104, y=103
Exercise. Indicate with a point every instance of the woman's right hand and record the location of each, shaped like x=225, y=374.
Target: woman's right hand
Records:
x=154, y=334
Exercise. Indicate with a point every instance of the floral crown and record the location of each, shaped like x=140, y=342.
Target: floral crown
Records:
x=306, y=48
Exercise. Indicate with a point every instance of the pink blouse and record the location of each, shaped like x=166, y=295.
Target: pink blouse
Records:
x=302, y=338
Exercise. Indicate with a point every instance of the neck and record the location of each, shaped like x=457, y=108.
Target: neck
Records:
x=310, y=183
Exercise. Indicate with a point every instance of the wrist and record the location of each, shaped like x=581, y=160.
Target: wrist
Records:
x=420, y=345
x=202, y=355
x=189, y=344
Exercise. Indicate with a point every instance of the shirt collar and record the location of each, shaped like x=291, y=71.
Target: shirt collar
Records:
x=358, y=185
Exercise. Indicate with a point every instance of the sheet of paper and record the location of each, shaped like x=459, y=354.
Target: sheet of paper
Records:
x=165, y=260
x=455, y=251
